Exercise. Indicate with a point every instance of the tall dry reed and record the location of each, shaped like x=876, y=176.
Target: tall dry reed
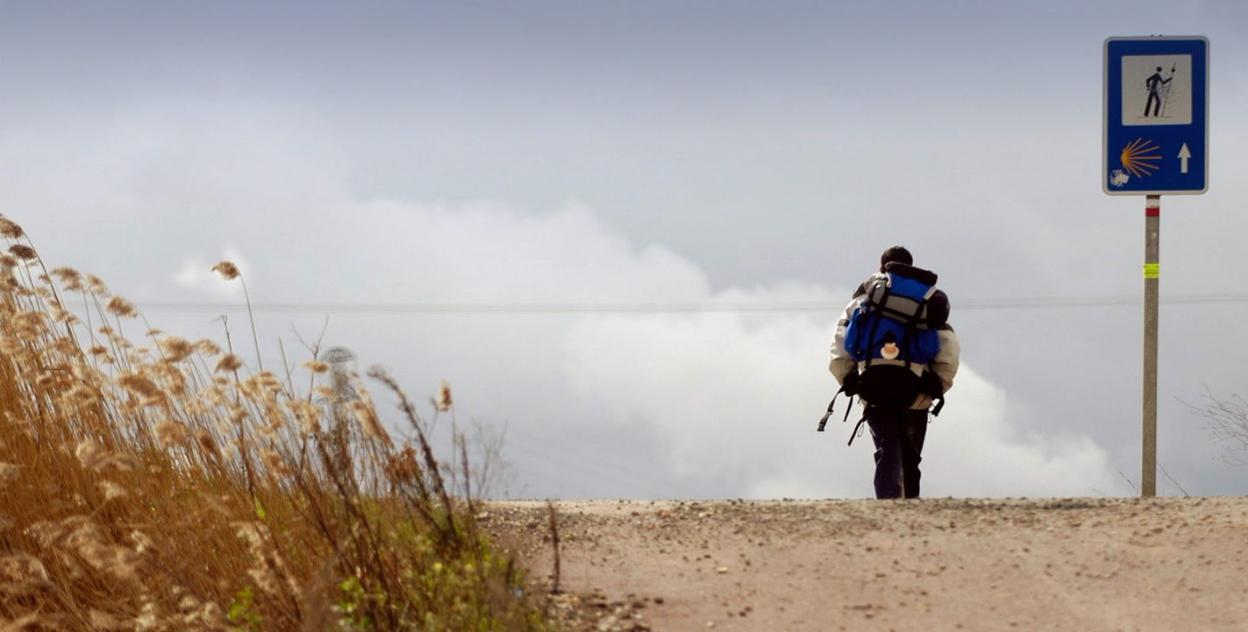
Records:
x=156, y=483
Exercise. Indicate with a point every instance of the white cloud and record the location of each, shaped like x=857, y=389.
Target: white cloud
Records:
x=658, y=404
x=980, y=452
x=738, y=398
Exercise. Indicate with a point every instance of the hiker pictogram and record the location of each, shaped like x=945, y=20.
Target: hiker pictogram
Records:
x=1158, y=91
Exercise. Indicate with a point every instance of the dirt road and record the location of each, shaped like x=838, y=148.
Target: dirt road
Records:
x=1068, y=564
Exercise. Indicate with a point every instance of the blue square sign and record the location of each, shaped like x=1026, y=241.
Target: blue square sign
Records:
x=1156, y=138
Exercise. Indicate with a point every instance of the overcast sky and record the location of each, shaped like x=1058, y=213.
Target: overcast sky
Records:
x=712, y=153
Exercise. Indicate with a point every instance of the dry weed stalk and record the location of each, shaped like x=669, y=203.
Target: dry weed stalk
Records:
x=169, y=487
x=554, y=544
x=1226, y=419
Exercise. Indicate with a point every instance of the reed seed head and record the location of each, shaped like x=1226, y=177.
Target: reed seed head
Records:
x=367, y=416
x=227, y=270
x=23, y=252
x=8, y=472
x=45, y=532
x=90, y=454
x=10, y=229
x=121, y=307
x=308, y=414
x=140, y=386
x=96, y=286
x=274, y=462
x=207, y=444
x=229, y=362
x=23, y=568
x=444, y=400
x=172, y=433
x=176, y=349
x=208, y=347
x=70, y=278
x=112, y=490
x=101, y=620
x=148, y=619
x=142, y=542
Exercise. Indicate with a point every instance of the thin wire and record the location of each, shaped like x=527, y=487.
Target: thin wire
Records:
x=973, y=304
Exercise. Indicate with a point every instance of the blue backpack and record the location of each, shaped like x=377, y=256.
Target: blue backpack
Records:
x=892, y=334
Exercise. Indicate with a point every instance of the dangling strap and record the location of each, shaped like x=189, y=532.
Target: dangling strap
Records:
x=857, y=429
x=823, y=421
x=831, y=405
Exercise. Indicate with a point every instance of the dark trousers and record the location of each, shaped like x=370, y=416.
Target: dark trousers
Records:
x=898, y=437
x=1153, y=97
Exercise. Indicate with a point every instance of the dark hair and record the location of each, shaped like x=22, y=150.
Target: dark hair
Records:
x=898, y=254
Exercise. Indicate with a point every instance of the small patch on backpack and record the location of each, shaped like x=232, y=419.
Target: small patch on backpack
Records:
x=890, y=351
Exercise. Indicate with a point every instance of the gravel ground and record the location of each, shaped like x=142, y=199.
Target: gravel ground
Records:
x=1035, y=564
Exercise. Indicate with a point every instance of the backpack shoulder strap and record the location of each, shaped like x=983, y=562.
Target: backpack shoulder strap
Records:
x=879, y=287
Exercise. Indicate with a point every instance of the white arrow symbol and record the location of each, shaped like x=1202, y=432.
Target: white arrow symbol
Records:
x=1184, y=154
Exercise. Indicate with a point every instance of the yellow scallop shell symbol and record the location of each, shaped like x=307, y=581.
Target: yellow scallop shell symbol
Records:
x=1139, y=158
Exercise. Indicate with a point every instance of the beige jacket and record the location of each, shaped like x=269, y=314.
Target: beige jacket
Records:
x=945, y=366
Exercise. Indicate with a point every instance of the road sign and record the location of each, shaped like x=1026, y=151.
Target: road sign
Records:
x=1156, y=99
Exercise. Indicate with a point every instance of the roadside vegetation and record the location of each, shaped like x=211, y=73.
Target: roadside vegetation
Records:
x=1226, y=419
x=156, y=483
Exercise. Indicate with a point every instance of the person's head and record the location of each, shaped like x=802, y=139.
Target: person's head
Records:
x=897, y=254
x=1159, y=69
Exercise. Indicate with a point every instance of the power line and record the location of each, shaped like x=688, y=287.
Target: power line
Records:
x=465, y=308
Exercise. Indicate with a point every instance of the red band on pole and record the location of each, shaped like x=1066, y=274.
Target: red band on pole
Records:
x=1152, y=207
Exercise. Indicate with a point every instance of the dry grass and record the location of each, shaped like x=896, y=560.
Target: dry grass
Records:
x=157, y=483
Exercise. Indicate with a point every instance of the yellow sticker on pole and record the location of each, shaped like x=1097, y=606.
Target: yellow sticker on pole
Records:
x=1152, y=270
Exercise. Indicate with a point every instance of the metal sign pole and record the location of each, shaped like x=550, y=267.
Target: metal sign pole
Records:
x=1155, y=142
x=1152, y=272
